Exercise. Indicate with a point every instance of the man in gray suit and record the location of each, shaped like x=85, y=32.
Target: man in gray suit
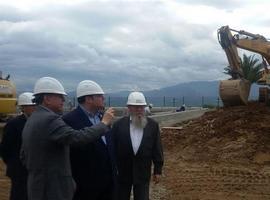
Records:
x=137, y=144
x=46, y=140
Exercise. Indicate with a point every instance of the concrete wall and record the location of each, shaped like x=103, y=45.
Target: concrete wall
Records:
x=169, y=119
x=167, y=116
x=164, y=116
x=120, y=111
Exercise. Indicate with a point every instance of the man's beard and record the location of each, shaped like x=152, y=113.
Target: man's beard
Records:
x=138, y=121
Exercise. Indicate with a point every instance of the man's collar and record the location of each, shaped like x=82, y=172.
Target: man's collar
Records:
x=90, y=114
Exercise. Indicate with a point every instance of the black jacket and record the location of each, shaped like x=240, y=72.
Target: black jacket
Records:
x=136, y=169
x=11, y=145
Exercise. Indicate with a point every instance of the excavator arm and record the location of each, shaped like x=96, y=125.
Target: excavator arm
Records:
x=236, y=90
x=227, y=42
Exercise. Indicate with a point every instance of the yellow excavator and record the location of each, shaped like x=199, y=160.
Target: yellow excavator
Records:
x=7, y=97
x=235, y=91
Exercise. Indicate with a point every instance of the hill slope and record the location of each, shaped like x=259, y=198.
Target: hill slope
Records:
x=234, y=134
x=225, y=154
x=193, y=93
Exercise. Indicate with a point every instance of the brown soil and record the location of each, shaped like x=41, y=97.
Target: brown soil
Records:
x=223, y=155
x=235, y=135
x=4, y=183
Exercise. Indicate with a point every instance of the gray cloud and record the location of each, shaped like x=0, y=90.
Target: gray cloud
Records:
x=229, y=4
x=119, y=44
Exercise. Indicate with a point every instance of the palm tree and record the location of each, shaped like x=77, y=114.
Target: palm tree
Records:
x=250, y=67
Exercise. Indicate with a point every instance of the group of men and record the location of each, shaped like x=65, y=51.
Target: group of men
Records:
x=81, y=155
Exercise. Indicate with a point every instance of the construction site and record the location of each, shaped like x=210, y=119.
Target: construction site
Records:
x=223, y=154
x=210, y=154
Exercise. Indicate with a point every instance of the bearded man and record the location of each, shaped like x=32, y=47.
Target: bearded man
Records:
x=137, y=145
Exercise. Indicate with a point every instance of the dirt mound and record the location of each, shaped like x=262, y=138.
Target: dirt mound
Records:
x=225, y=154
x=236, y=135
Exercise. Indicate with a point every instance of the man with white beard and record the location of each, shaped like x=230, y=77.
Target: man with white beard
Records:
x=137, y=144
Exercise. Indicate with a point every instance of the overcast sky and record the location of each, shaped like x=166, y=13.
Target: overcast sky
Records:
x=122, y=45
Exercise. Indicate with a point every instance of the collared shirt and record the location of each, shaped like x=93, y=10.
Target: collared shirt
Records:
x=94, y=119
x=136, y=135
x=26, y=116
x=48, y=109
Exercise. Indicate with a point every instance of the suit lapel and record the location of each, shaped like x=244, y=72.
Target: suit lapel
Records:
x=145, y=132
x=87, y=123
x=126, y=134
x=85, y=120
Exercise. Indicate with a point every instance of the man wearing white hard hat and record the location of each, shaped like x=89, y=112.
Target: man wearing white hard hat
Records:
x=11, y=145
x=91, y=165
x=137, y=145
x=46, y=143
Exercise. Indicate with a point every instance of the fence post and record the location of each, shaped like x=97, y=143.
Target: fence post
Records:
x=164, y=101
x=202, y=101
x=109, y=101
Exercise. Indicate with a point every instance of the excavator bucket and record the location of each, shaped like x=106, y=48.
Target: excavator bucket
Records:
x=234, y=92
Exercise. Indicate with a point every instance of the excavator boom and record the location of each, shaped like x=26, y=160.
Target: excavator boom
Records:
x=236, y=90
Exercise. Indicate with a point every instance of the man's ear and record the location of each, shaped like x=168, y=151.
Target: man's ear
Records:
x=46, y=99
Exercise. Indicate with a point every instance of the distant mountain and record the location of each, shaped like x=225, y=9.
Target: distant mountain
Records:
x=195, y=89
x=194, y=93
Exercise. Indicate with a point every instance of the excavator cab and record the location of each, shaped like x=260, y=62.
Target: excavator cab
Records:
x=8, y=99
x=265, y=74
x=235, y=91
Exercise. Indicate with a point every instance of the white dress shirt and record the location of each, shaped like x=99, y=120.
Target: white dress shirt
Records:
x=136, y=135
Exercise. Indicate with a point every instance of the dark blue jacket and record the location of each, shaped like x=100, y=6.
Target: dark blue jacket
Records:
x=92, y=164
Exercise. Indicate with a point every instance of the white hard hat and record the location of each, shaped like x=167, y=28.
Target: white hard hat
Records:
x=136, y=99
x=48, y=85
x=26, y=99
x=88, y=87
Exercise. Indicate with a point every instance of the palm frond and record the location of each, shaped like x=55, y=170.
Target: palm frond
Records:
x=250, y=67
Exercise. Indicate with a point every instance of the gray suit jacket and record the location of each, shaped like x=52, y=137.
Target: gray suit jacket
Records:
x=45, y=152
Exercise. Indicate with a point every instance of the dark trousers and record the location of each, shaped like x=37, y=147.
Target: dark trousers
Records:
x=18, y=189
x=140, y=191
x=94, y=193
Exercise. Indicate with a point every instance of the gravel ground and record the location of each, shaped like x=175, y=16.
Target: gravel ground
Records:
x=223, y=155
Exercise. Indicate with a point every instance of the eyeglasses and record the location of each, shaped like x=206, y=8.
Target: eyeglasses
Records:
x=99, y=96
x=58, y=96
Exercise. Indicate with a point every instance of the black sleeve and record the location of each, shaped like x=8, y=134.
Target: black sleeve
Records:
x=7, y=144
x=158, y=158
